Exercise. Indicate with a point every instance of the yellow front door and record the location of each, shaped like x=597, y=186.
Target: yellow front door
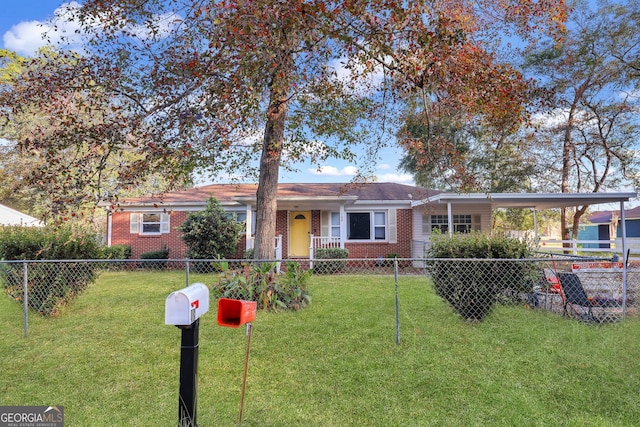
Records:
x=299, y=228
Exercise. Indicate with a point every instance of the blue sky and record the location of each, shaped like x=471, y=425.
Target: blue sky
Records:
x=22, y=23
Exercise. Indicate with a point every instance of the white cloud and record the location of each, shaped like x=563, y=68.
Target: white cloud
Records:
x=333, y=171
x=365, y=80
x=292, y=150
x=62, y=28
x=27, y=37
x=397, y=178
x=352, y=171
x=164, y=25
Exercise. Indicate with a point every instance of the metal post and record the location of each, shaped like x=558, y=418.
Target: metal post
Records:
x=25, y=297
x=244, y=375
x=395, y=274
x=187, y=401
x=186, y=268
x=625, y=260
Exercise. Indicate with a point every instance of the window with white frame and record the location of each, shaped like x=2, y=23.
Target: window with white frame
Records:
x=367, y=225
x=335, y=224
x=149, y=223
x=461, y=223
x=241, y=217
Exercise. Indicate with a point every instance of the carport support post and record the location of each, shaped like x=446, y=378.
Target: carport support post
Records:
x=187, y=400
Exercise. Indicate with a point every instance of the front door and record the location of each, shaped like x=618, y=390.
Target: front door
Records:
x=299, y=228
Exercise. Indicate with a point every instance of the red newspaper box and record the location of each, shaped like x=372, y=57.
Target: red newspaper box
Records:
x=234, y=312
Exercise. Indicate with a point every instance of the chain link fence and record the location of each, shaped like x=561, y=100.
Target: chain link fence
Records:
x=590, y=290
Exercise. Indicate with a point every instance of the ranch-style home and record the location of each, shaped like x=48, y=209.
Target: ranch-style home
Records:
x=370, y=220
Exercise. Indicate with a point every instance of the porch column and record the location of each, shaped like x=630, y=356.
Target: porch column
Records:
x=343, y=226
x=248, y=225
x=624, y=232
x=449, y=219
x=109, y=226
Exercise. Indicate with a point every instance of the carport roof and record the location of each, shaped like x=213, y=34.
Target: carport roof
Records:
x=528, y=200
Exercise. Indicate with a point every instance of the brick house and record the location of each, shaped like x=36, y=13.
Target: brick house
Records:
x=370, y=220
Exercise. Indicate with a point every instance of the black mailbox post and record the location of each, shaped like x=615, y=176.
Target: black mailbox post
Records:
x=183, y=309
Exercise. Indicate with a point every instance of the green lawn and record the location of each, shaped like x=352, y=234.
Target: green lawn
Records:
x=110, y=361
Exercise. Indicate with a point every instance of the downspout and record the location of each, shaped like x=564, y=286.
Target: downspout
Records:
x=449, y=219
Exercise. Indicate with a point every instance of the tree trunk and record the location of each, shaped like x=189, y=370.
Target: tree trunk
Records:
x=567, y=150
x=564, y=186
x=576, y=220
x=267, y=192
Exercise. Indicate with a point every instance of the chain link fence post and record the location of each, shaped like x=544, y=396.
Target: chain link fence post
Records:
x=395, y=277
x=25, y=297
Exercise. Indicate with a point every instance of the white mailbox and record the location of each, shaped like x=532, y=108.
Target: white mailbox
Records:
x=183, y=307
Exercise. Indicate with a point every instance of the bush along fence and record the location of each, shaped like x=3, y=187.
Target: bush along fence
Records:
x=590, y=290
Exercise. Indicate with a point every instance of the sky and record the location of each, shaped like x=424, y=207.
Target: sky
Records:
x=22, y=23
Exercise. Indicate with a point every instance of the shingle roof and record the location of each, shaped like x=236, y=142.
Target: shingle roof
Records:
x=604, y=217
x=230, y=192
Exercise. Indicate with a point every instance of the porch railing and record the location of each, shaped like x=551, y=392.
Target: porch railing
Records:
x=277, y=245
x=318, y=242
x=322, y=242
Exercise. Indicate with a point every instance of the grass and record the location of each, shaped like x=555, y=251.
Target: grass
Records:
x=110, y=360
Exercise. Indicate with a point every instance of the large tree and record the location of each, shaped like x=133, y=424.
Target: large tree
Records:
x=589, y=130
x=42, y=171
x=450, y=150
x=209, y=84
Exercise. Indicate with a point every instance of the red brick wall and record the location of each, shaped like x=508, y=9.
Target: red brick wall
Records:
x=282, y=224
x=140, y=244
x=374, y=250
x=316, y=223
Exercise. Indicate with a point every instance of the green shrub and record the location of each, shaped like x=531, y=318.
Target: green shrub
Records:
x=156, y=255
x=211, y=233
x=50, y=284
x=43, y=243
x=335, y=265
x=260, y=283
x=472, y=286
x=116, y=252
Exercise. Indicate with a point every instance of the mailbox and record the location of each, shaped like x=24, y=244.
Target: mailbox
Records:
x=235, y=312
x=183, y=307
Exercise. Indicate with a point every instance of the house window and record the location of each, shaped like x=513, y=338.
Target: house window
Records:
x=151, y=223
x=379, y=225
x=461, y=223
x=367, y=225
x=335, y=224
x=241, y=217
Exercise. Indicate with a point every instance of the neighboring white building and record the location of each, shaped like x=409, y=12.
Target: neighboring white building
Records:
x=10, y=216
